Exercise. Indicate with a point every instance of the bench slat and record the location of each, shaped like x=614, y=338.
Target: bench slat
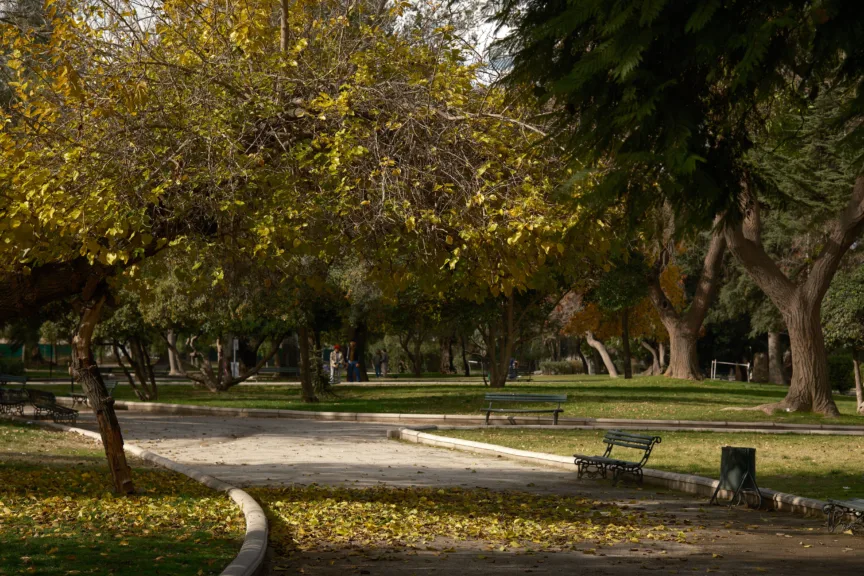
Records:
x=526, y=397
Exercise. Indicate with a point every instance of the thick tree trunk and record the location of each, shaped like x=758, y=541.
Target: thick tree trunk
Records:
x=810, y=389
x=465, y=364
x=603, y=352
x=775, y=359
x=655, y=369
x=625, y=345
x=661, y=351
x=86, y=372
x=445, y=345
x=683, y=361
x=173, y=358
x=859, y=391
x=307, y=388
x=800, y=303
x=578, y=347
x=684, y=327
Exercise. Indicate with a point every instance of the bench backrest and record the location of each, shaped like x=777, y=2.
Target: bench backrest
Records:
x=9, y=378
x=13, y=396
x=629, y=440
x=274, y=370
x=41, y=398
x=526, y=398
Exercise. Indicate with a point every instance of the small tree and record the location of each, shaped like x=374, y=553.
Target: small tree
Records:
x=843, y=321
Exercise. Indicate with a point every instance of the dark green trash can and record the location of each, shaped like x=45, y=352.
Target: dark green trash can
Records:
x=738, y=473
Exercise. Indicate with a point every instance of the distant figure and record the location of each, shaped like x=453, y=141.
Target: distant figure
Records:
x=385, y=359
x=353, y=368
x=514, y=369
x=401, y=366
x=376, y=361
x=337, y=359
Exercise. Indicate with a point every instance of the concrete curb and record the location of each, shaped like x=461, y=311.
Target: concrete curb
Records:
x=470, y=421
x=250, y=559
x=688, y=483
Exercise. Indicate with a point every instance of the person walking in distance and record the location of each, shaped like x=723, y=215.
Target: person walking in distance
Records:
x=353, y=368
x=337, y=359
x=376, y=360
x=385, y=360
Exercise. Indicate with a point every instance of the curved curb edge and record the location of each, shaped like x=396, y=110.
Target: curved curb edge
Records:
x=689, y=483
x=250, y=559
x=470, y=421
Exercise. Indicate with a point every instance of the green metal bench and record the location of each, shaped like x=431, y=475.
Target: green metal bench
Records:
x=12, y=400
x=525, y=399
x=593, y=466
x=273, y=373
x=7, y=379
x=84, y=400
x=45, y=404
x=844, y=514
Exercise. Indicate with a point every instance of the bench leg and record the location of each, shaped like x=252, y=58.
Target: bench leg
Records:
x=487, y=417
x=555, y=419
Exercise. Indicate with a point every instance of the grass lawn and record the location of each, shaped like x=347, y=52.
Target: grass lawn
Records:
x=590, y=396
x=58, y=516
x=816, y=466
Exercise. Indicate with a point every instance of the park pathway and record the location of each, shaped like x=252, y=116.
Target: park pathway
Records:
x=259, y=452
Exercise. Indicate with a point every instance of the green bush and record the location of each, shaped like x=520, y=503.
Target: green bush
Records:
x=12, y=366
x=550, y=367
x=840, y=372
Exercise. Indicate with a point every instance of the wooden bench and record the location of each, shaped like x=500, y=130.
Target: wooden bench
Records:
x=12, y=400
x=525, y=399
x=84, y=400
x=594, y=466
x=45, y=404
x=844, y=514
x=7, y=379
x=273, y=373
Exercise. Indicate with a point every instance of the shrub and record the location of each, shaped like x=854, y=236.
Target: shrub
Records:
x=12, y=366
x=840, y=372
x=551, y=367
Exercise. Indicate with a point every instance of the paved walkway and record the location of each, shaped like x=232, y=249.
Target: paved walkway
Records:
x=256, y=451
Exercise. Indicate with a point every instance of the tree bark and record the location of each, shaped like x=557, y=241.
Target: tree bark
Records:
x=582, y=358
x=661, y=350
x=800, y=303
x=445, y=345
x=655, y=369
x=465, y=364
x=173, y=358
x=307, y=388
x=775, y=359
x=625, y=344
x=86, y=372
x=683, y=360
x=603, y=352
x=684, y=327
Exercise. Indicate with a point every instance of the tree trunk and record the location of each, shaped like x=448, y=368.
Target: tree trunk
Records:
x=810, y=388
x=683, y=362
x=625, y=344
x=661, y=350
x=465, y=364
x=360, y=339
x=446, y=349
x=307, y=388
x=775, y=359
x=173, y=359
x=578, y=347
x=859, y=391
x=418, y=358
x=655, y=369
x=86, y=372
x=603, y=352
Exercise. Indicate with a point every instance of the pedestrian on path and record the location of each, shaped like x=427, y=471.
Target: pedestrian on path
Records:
x=376, y=361
x=384, y=361
x=353, y=368
x=337, y=359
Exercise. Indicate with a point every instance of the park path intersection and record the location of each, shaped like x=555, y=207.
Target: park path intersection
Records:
x=276, y=452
